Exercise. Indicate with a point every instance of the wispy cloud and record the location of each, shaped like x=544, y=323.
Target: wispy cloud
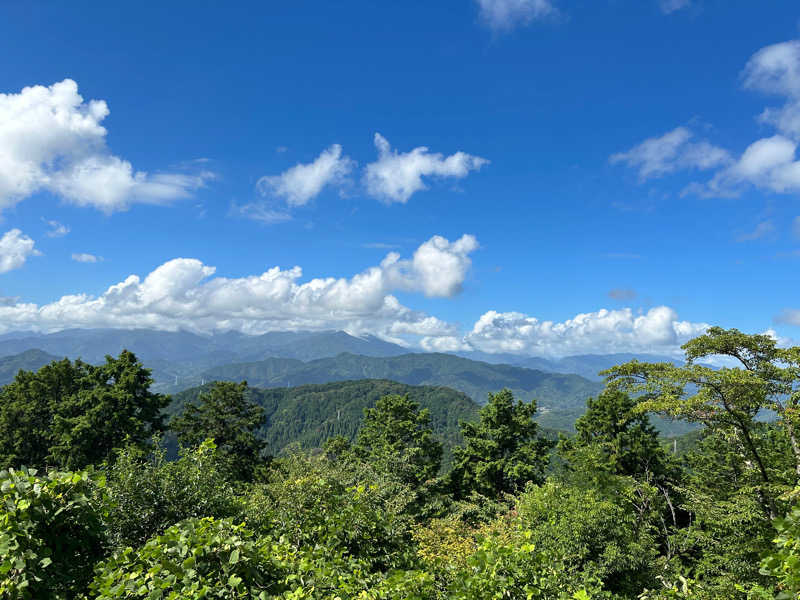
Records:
x=56, y=229
x=83, y=257
x=760, y=231
x=508, y=14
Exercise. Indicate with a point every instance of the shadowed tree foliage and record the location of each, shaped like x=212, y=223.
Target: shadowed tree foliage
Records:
x=73, y=414
x=502, y=451
x=227, y=416
x=397, y=438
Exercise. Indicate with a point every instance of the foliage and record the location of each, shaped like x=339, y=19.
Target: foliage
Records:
x=783, y=562
x=149, y=493
x=73, y=414
x=727, y=398
x=396, y=438
x=227, y=416
x=625, y=441
x=347, y=507
x=309, y=415
x=51, y=533
x=196, y=558
x=502, y=451
x=593, y=537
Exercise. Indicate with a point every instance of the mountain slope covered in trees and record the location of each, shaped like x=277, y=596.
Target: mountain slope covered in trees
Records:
x=308, y=415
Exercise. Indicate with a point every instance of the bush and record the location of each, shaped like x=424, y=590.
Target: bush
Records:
x=344, y=507
x=149, y=493
x=51, y=533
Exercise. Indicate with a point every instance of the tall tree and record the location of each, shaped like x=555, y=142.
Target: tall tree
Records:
x=227, y=416
x=73, y=414
x=397, y=438
x=502, y=451
x=729, y=398
x=622, y=439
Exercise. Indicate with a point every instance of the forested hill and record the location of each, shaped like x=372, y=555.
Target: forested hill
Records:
x=30, y=360
x=561, y=397
x=310, y=414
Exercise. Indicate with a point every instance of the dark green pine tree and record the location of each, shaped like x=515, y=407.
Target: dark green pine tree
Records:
x=617, y=439
x=396, y=437
x=227, y=416
x=502, y=451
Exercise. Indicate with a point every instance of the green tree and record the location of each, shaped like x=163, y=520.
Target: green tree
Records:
x=623, y=440
x=73, y=414
x=397, y=438
x=227, y=416
x=502, y=451
x=730, y=399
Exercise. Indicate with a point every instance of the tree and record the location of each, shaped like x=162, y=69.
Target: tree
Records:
x=502, y=451
x=623, y=438
x=397, y=438
x=227, y=416
x=726, y=399
x=73, y=414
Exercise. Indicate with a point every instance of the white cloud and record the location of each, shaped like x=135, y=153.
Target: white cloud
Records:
x=602, y=332
x=262, y=212
x=56, y=229
x=438, y=267
x=183, y=293
x=670, y=6
x=768, y=163
x=51, y=139
x=673, y=151
x=86, y=258
x=303, y=182
x=395, y=176
x=776, y=70
x=15, y=248
x=507, y=14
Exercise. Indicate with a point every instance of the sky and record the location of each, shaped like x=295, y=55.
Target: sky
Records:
x=537, y=177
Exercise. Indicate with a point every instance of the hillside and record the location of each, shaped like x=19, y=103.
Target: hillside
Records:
x=310, y=414
x=561, y=397
x=30, y=360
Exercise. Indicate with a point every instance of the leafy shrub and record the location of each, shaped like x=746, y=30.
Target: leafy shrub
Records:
x=197, y=558
x=594, y=537
x=344, y=507
x=51, y=533
x=149, y=493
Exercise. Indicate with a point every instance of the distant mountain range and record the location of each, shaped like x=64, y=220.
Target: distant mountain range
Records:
x=181, y=360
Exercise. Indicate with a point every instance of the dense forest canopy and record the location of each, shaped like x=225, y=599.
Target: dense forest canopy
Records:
x=373, y=489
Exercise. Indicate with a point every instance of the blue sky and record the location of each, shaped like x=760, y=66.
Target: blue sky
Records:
x=624, y=171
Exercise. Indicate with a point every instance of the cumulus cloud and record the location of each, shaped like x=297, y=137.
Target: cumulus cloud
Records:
x=673, y=151
x=15, y=248
x=184, y=293
x=605, y=331
x=395, y=176
x=670, y=6
x=83, y=257
x=507, y=14
x=56, y=229
x=51, y=139
x=303, y=182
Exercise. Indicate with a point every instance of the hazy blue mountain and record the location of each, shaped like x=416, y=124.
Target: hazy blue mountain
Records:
x=30, y=360
x=589, y=365
x=561, y=397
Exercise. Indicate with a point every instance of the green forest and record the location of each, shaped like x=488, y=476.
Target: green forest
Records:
x=376, y=490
